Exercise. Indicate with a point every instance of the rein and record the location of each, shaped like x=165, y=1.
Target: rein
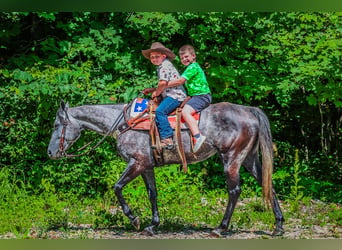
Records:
x=115, y=125
x=72, y=155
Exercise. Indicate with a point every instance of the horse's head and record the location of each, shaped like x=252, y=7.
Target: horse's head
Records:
x=66, y=131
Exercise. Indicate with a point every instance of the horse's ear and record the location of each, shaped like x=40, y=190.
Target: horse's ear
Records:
x=64, y=106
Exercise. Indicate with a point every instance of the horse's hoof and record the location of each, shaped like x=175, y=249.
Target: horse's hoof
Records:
x=136, y=223
x=215, y=233
x=278, y=232
x=148, y=231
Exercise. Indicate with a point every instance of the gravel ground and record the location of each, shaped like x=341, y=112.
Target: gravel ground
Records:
x=294, y=229
x=86, y=232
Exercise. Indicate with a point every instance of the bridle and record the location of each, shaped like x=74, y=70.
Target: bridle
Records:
x=62, y=139
x=67, y=121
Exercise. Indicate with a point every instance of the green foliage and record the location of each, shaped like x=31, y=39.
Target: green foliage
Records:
x=152, y=25
x=21, y=211
x=305, y=46
x=35, y=215
x=286, y=63
x=296, y=193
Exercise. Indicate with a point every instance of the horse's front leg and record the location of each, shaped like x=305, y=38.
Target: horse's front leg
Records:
x=133, y=170
x=150, y=182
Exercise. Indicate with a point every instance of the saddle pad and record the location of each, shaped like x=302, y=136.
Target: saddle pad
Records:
x=140, y=104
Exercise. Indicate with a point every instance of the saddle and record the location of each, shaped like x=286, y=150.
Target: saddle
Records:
x=140, y=115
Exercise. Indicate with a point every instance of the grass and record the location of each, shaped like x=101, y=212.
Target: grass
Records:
x=182, y=204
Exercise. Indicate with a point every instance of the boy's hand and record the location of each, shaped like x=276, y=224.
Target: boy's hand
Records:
x=155, y=94
x=148, y=90
x=157, y=99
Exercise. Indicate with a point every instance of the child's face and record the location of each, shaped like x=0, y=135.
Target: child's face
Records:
x=187, y=58
x=157, y=58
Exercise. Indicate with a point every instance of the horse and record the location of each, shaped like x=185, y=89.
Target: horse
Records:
x=235, y=132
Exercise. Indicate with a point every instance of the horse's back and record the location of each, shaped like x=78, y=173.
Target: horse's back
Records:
x=225, y=115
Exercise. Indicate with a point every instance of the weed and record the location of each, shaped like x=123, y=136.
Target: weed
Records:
x=183, y=202
x=296, y=193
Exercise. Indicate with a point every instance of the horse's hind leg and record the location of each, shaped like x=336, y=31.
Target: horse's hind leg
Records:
x=279, y=230
x=150, y=182
x=252, y=164
x=133, y=170
x=231, y=171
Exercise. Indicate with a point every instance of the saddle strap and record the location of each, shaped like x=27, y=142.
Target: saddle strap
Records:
x=180, y=147
x=155, y=138
x=129, y=124
x=139, y=118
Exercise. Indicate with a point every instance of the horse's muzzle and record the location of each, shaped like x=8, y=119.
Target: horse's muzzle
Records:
x=55, y=156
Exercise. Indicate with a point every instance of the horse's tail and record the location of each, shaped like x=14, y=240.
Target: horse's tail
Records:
x=266, y=146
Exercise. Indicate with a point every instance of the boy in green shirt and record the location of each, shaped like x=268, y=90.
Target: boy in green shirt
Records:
x=197, y=86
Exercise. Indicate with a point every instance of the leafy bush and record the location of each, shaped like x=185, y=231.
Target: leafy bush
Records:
x=285, y=63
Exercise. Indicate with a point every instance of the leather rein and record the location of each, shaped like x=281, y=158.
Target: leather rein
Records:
x=66, y=122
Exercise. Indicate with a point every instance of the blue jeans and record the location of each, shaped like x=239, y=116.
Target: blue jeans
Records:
x=165, y=107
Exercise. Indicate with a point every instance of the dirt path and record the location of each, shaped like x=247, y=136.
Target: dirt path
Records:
x=306, y=225
x=294, y=232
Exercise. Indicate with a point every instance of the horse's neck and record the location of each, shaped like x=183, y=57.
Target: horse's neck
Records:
x=98, y=118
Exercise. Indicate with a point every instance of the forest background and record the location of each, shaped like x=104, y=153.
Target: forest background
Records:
x=286, y=63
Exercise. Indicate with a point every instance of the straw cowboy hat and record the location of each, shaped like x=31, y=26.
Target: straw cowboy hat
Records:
x=158, y=47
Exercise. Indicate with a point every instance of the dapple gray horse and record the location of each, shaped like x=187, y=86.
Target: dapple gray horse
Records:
x=235, y=132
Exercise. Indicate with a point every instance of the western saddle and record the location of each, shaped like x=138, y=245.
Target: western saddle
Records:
x=145, y=120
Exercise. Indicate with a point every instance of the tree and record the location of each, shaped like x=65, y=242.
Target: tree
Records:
x=286, y=63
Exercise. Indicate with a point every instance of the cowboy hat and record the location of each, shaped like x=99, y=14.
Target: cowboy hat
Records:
x=158, y=47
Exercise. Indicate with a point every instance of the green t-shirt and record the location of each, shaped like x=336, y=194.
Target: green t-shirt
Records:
x=196, y=82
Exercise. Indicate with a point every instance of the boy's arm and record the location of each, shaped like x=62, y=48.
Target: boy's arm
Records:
x=177, y=82
x=162, y=84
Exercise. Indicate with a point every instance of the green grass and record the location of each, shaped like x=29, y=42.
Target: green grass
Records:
x=183, y=203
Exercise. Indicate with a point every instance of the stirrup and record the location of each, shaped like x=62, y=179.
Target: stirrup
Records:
x=169, y=147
